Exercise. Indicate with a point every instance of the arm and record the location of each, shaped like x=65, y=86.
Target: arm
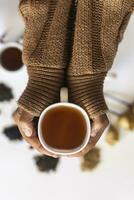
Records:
x=100, y=27
x=43, y=55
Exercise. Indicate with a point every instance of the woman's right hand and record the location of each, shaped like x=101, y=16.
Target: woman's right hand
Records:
x=44, y=55
x=24, y=121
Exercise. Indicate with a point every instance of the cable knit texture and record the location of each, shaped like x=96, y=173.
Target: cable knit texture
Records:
x=99, y=27
x=82, y=36
x=44, y=51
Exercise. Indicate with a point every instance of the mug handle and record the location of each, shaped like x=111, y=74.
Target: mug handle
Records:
x=64, y=94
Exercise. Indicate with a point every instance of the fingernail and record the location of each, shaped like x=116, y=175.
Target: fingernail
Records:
x=94, y=133
x=27, y=132
x=55, y=156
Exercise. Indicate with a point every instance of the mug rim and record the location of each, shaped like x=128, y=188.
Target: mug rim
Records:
x=64, y=152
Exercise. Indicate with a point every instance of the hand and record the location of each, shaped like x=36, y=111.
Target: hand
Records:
x=99, y=124
x=24, y=120
x=44, y=55
x=87, y=92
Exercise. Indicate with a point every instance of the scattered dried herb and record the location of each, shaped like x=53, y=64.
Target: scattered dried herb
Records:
x=112, y=137
x=5, y=93
x=126, y=120
x=12, y=133
x=91, y=160
x=46, y=163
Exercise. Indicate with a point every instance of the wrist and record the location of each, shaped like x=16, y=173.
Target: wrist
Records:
x=42, y=89
x=87, y=91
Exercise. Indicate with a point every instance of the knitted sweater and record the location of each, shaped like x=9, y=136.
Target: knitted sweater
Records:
x=77, y=40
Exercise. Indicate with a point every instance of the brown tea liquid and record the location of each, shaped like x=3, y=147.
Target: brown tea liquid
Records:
x=64, y=128
x=11, y=59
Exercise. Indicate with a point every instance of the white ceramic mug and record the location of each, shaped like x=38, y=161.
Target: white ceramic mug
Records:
x=64, y=102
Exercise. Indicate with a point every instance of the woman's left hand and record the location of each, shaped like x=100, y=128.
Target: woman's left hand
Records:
x=99, y=124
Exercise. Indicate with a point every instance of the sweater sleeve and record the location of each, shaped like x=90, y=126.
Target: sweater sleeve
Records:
x=43, y=51
x=99, y=28
x=31, y=14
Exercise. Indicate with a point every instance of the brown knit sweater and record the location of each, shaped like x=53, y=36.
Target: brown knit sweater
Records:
x=73, y=40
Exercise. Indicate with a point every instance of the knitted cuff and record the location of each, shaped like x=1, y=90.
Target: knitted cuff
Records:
x=42, y=90
x=87, y=91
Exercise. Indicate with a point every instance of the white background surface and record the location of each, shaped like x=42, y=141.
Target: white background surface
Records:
x=19, y=178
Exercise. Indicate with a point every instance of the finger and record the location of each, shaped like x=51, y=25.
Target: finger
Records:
x=98, y=126
x=24, y=121
x=83, y=152
x=34, y=142
x=98, y=123
x=25, y=124
x=93, y=140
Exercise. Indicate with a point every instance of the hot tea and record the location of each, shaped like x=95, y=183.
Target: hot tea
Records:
x=64, y=128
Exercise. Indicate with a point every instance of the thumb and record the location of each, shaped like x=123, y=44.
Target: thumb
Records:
x=27, y=128
x=25, y=122
x=99, y=124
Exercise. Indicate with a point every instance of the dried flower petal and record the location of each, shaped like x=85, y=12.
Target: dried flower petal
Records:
x=112, y=137
x=126, y=121
x=91, y=160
